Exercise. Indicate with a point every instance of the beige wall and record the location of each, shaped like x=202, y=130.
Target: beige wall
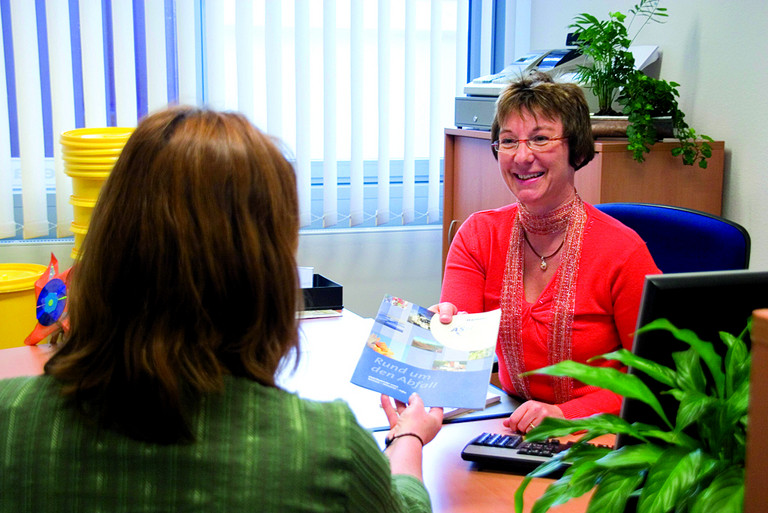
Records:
x=716, y=51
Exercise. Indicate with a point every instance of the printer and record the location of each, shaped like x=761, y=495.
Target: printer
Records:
x=476, y=108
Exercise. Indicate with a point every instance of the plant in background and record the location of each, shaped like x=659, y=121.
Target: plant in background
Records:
x=647, y=99
x=606, y=44
x=612, y=77
x=695, y=464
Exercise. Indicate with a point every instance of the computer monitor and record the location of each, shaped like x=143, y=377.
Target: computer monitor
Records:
x=704, y=302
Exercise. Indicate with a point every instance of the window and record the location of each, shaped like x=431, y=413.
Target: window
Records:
x=359, y=91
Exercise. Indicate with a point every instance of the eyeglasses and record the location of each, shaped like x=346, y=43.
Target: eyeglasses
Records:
x=535, y=143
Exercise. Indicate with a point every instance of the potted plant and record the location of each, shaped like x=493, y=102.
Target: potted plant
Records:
x=694, y=464
x=611, y=76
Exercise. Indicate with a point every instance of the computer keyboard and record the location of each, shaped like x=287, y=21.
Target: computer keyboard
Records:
x=511, y=452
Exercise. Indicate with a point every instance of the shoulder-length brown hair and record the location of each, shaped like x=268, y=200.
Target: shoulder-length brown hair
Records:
x=538, y=95
x=187, y=273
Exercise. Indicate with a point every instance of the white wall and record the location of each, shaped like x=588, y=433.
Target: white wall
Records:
x=371, y=263
x=716, y=51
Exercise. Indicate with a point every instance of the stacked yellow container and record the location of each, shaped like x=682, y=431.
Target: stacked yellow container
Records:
x=89, y=155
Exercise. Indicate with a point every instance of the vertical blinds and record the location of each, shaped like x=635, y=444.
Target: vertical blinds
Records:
x=359, y=92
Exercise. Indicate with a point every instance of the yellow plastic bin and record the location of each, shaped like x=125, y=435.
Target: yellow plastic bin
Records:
x=79, y=232
x=18, y=302
x=82, y=208
x=98, y=136
x=87, y=185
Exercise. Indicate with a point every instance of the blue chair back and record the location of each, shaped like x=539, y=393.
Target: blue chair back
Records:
x=684, y=240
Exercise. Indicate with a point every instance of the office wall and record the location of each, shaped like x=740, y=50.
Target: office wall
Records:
x=716, y=51
x=371, y=263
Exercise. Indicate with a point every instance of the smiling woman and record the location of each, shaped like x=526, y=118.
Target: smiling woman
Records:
x=567, y=277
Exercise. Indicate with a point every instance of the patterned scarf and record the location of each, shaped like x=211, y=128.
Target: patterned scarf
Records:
x=570, y=218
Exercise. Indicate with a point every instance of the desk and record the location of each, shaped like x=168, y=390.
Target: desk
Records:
x=334, y=344
x=458, y=486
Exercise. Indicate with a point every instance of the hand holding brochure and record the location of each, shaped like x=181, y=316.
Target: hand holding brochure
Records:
x=410, y=350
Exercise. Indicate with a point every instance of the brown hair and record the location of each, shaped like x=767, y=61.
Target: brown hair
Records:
x=538, y=95
x=187, y=273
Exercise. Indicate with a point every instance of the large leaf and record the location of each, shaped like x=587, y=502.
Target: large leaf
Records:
x=626, y=385
x=584, y=477
x=547, y=467
x=705, y=349
x=577, y=480
x=614, y=490
x=659, y=372
x=724, y=495
x=582, y=455
x=595, y=425
x=690, y=376
x=640, y=455
x=673, y=478
x=558, y=492
x=737, y=362
x=693, y=407
x=737, y=405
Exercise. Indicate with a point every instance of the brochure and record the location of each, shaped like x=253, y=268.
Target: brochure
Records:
x=410, y=350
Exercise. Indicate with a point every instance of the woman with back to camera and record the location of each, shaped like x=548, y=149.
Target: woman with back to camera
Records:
x=567, y=277
x=163, y=395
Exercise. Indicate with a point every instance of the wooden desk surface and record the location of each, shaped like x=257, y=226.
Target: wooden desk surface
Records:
x=458, y=486
x=455, y=485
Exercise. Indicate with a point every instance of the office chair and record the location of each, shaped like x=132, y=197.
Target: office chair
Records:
x=685, y=240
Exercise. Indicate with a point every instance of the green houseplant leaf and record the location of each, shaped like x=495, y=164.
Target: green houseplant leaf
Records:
x=705, y=349
x=725, y=494
x=658, y=372
x=623, y=384
x=613, y=491
x=675, y=474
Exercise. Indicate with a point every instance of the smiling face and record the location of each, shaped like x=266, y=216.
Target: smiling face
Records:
x=541, y=180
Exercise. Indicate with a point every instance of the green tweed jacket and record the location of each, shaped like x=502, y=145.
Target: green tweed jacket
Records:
x=257, y=449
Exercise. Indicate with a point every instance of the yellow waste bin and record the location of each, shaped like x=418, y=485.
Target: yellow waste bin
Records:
x=18, y=302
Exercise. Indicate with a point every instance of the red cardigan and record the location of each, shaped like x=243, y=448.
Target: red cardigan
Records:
x=614, y=262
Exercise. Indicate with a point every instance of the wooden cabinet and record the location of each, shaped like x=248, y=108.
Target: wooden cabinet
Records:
x=755, y=492
x=473, y=182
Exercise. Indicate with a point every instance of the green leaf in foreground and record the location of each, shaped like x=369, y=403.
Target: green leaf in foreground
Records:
x=626, y=385
x=705, y=349
x=725, y=494
x=614, y=490
x=674, y=477
x=659, y=372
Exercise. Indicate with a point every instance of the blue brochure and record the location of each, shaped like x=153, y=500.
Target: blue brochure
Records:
x=409, y=350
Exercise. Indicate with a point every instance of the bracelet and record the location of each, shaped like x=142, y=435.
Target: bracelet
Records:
x=388, y=441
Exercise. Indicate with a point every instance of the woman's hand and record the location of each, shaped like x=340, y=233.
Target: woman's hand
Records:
x=446, y=311
x=404, y=452
x=412, y=418
x=530, y=414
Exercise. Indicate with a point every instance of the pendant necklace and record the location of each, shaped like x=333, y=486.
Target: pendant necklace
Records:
x=543, y=264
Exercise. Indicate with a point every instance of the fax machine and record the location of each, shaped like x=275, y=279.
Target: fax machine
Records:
x=478, y=105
